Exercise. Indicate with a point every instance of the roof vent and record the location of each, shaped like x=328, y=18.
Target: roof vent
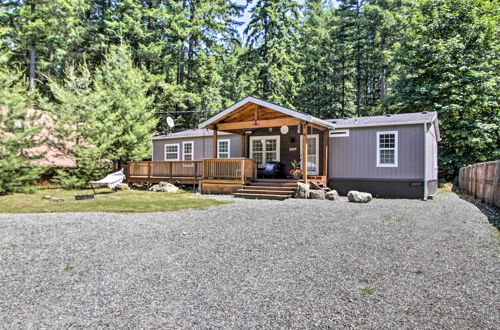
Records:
x=387, y=114
x=345, y=118
x=333, y=121
x=424, y=112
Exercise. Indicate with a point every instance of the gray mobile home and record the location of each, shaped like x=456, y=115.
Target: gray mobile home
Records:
x=389, y=156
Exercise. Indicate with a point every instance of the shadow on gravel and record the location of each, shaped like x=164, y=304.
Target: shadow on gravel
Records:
x=492, y=213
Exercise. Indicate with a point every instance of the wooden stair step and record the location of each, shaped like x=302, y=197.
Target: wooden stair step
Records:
x=260, y=196
x=265, y=192
x=270, y=188
x=269, y=184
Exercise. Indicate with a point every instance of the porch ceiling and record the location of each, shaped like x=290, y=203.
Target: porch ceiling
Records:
x=252, y=113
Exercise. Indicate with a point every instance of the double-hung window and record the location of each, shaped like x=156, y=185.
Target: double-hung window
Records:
x=172, y=152
x=387, y=149
x=187, y=150
x=223, y=148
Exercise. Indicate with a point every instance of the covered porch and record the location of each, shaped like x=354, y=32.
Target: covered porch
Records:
x=274, y=134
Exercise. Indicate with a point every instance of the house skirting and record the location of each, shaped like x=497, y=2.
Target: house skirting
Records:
x=383, y=188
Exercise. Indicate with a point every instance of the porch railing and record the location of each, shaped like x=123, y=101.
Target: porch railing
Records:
x=165, y=169
x=229, y=168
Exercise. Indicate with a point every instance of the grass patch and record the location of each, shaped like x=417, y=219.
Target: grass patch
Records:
x=68, y=268
x=368, y=291
x=131, y=201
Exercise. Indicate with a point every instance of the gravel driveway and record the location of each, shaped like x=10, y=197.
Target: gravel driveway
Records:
x=254, y=264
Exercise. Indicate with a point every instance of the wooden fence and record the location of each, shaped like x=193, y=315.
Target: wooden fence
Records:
x=482, y=181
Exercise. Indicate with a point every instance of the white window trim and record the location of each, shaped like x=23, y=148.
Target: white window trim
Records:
x=395, y=149
x=267, y=137
x=192, y=150
x=339, y=133
x=228, y=147
x=165, y=151
x=317, y=151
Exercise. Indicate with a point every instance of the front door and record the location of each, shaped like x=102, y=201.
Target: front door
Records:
x=312, y=153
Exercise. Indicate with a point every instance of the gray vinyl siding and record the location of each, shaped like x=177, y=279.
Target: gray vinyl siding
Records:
x=202, y=146
x=355, y=156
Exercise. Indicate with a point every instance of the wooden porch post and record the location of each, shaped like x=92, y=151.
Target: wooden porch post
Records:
x=325, y=153
x=244, y=145
x=304, y=150
x=214, y=155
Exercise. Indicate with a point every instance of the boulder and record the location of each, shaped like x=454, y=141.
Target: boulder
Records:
x=47, y=197
x=358, y=197
x=317, y=194
x=122, y=186
x=164, y=187
x=302, y=190
x=332, y=195
x=55, y=199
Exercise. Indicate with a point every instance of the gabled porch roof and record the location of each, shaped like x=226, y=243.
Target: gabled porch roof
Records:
x=252, y=112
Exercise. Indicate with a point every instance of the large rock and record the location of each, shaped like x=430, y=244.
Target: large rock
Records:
x=164, y=187
x=332, y=195
x=317, y=194
x=302, y=190
x=358, y=197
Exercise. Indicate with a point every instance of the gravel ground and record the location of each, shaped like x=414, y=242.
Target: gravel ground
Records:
x=255, y=264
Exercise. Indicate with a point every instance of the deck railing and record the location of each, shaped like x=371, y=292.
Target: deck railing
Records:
x=165, y=169
x=229, y=168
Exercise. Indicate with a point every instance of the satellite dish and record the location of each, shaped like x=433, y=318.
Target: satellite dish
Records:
x=170, y=122
x=284, y=129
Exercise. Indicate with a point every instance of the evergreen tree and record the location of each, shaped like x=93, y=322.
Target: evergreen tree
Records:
x=102, y=118
x=18, y=136
x=448, y=62
x=272, y=37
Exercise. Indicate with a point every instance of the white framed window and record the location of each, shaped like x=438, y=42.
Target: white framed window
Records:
x=223, y=148
x=187, y=150
x=264, y=149
x=387, y=149
x=172, y=151
x=339, y=133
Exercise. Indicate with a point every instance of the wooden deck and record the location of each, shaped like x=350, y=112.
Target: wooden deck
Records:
x=215, y=176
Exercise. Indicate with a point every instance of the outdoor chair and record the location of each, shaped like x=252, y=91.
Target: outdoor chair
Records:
x=272, y=169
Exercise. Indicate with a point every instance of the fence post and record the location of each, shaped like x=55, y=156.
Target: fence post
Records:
x=195, y=169
x=171, y=174
x=149, y=170
x=495, y=183
x=485, y=174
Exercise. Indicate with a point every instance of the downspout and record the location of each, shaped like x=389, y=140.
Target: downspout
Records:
x=425, y=162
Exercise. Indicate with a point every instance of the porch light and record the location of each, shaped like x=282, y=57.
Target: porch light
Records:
x=248, y=132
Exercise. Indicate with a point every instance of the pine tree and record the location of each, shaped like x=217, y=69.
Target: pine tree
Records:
x=272, y=37
x=448, y=62
x=18, y=136
x=103, y=117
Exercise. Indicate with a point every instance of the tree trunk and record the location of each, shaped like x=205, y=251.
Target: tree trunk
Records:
x=32, y=55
